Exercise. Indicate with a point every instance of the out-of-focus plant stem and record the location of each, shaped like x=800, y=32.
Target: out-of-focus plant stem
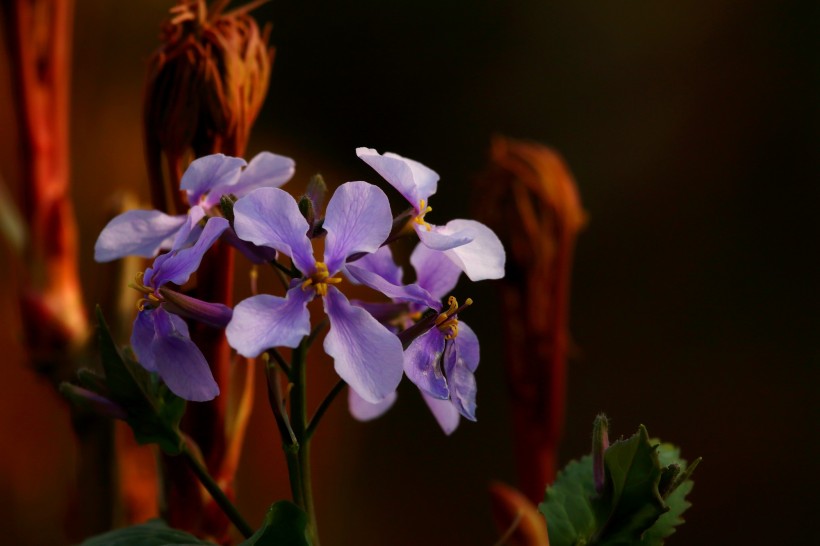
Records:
x=205, y=87
x=532, y=203
x=38, y=34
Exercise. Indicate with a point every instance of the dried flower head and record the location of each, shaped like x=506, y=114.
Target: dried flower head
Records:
x=205, y=87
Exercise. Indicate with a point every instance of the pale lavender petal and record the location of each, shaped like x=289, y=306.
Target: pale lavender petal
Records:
x=444, y=411
x=411, y=293
x=190, y=230
x=209, y=172
x=357, y=219
x=412, y=179
x=177, y=266
x=382, y=264
x=481, y=259
x=467, y=345
x=136, y=233
x=366, y=355
x=142, y=338
x=363, y=410
x=264, y=170
x=441, y=238
x=422, y=363
x=460, y=378
x=270, y=217
x=435, y=272
x=262, y=322
x=180, y=363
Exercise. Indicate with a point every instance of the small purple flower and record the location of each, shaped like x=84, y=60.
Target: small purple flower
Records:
x=442, y=361
x=160, y=339
x=145, y=232
x=471, y=245
x=357, y=220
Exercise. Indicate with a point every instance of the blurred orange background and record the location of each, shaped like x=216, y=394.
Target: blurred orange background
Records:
x=692, y=131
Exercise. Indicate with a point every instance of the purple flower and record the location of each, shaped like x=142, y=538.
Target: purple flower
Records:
x=160, y=339
x=357, y=220
x=471, y=245
x=146, y=232
x=442, y=361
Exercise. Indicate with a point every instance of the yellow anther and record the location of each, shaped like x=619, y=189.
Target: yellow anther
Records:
x=320, y=279
x=447, y=322
x=422, y=211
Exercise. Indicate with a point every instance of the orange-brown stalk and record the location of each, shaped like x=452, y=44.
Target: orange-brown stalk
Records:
x=533, y=204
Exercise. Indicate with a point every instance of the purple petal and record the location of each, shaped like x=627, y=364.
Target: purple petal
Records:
x=262, y=322
x=264, y=170
x=481, y=259
x=179, y=361
x=357, y=219
x=467, y=345
x=177, y=266
x=270, y=217
x=460, y=361
x=142, y=338
x=435, y=272
x=411, y=293
x=363, y=410
x=387, y=313
x=189, y=231
x=366, y=355
x=382, y=264
x=422, y=364
x=136, y=233
x=444, y=411
x=441, y=237
x=208, y=173
x=412, y=179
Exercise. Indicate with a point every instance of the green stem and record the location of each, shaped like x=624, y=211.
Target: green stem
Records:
x=216, y=492
x=320, y=411
x=298, y=415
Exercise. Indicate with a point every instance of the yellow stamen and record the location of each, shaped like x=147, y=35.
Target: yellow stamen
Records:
x=320, y=279
x=150, y=298
x=447, y=322
x=422, y=211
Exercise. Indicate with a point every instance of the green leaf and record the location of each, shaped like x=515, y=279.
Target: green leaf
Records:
x=630, y=509
x=676, y=499
x=153, y=533
x=152, y=411
x=285, y=525
x=567, y=505
x=630, y=503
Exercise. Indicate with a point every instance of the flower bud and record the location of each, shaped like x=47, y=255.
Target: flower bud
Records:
x=600, y=443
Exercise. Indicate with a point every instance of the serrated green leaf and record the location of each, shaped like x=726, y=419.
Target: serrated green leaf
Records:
x=153, y=533
x=567, y=505
x=676, y=500
x=630, y=503
x=285, y=525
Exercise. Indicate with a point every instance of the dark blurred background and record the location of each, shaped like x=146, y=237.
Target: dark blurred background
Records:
x=692, y=131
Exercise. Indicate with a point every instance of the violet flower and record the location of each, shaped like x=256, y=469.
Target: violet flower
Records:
x=442, y=361
x=469, y=244
x=145, y=232
x=357, y=220
x=160, y=338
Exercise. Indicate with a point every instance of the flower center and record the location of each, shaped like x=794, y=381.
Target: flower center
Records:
x=320, y=279
x=422, y=211
x=150, y=298
x=447, y=322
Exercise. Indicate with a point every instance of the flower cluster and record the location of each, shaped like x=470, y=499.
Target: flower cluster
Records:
x=373, y=344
